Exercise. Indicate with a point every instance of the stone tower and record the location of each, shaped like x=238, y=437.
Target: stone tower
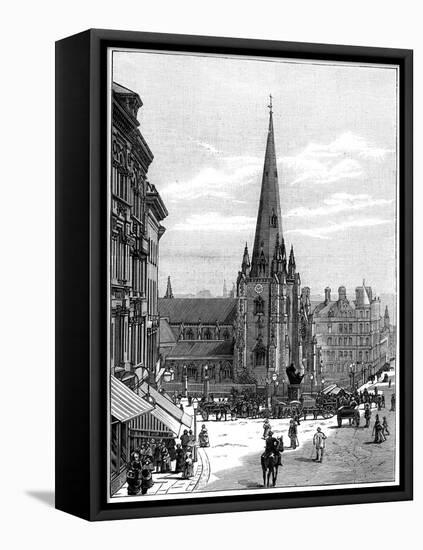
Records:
x=270, y=317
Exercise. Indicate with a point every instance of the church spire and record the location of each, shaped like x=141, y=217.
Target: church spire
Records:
x=269, y=222
x=169, y=292
x=245, y=267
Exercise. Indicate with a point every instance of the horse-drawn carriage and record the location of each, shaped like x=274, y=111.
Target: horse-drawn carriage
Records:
x=308, y=408
x=220, y=409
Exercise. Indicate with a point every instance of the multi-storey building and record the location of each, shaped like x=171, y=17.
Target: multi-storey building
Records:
x=351, y=335
x=136, y=213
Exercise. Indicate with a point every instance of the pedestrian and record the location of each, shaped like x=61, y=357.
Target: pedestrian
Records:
x=204, y=437
x=319, y=442
x=188, y=470
x=165, y=459
x=266, y=428
x=185, y=440
x=393, y=402
x=385, y=426
x=293, y=433
x=367, y=414
x=157, y=458
x=133, y=474
x=179, y=455
x=390, y=383
x=378, y=431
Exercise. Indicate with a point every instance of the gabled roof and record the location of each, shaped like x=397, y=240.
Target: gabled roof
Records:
x=202, y=350
x=166, y=334
x=191, y=310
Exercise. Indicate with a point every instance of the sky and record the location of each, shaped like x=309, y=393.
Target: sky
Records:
x=205, y=118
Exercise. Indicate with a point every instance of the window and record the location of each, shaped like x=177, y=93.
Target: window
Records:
x=260, y=357
x=361, y=328
x=340, y=328
x=189, y=335
x=350, y=328
x=329, y=341
x=226, y=334
x=367, y=341
x=330, y=329
x=258, y=305
x=350, y=341
x=207, y=334
x=367, y=327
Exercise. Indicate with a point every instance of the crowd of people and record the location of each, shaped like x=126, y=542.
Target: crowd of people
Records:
x=163, y=456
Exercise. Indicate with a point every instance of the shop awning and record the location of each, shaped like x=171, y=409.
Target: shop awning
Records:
x=125, y=404
x=166, y=411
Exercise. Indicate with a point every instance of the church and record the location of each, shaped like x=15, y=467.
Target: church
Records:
x=251, y=338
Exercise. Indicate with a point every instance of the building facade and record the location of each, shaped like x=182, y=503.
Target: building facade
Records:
x=135, y=225
x=352, y=336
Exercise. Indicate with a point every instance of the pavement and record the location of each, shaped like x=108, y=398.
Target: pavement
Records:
x=171, y=483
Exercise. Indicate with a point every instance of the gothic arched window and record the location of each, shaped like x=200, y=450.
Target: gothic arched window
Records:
x=207, y=334
x=260, y=357
x=189, y=335
x=258, y=305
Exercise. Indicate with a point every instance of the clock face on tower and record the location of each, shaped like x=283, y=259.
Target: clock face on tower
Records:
x=258, y=288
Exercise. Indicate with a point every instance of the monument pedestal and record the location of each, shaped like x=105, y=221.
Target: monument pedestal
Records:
x=294, y=392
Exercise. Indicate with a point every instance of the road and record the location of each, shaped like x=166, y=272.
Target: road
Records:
x=350, y=456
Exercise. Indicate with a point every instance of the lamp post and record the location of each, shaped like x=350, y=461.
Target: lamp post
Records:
x=352, y=375
x=275, y=384
x=323, y=383
x=283, y=387
x=311, y=383
x=206, y=382
x=194, y=408
x=185, y=376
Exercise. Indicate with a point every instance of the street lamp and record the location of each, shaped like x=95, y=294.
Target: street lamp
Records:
x=323, y=383
x=206, y=382
x=185, y=376
x=194, y=408
x=168, y=375
x=311, y=383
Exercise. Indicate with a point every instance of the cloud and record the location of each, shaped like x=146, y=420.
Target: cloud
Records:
x=323, y=232
x=327, y=163
x=219, y=182
x=214, y=221
x=207, y=146
x=338, y=202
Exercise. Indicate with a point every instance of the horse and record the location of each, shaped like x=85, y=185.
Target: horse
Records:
x=269, y=465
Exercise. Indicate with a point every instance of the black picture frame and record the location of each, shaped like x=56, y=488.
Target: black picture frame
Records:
x=81, y=274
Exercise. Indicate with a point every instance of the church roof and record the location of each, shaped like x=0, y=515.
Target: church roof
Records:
x=191, y=310
x=269, y=219
x=201, y=350
x=166, y=334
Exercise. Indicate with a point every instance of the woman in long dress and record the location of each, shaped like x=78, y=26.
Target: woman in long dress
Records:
x=204, y=437
x=188, y=466
x=179, y=456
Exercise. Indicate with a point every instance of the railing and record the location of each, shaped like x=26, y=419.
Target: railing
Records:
x=198, y=388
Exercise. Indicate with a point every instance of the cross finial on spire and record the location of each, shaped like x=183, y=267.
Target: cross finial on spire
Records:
x=270, y=104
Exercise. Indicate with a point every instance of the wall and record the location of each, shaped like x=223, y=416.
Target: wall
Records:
x=28, y=32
